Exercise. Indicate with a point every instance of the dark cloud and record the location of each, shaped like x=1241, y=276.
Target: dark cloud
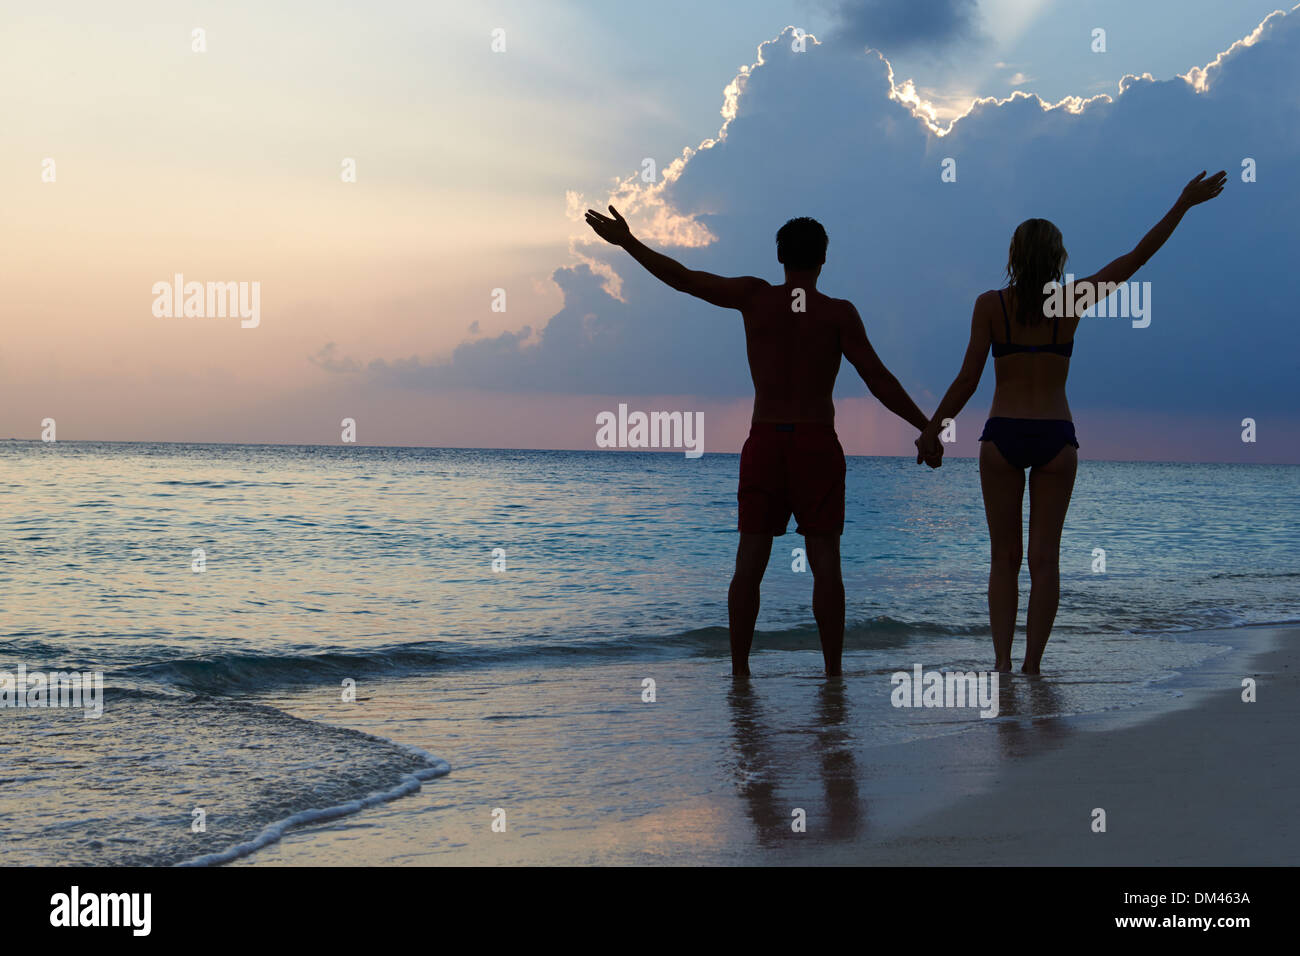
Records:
x=596, y=344
x=913, y=252
x=896, y=25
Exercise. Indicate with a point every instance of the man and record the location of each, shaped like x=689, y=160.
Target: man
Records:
x=792, y=461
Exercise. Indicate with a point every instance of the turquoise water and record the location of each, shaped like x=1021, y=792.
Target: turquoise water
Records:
x=332, y=563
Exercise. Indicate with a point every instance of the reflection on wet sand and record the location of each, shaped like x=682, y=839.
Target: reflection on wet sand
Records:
x=758, y=765
x=1029, y=716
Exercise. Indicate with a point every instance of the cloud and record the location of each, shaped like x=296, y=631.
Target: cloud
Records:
x=327, y=357
x=827, y=133
x=897, y=25
x=595, y=345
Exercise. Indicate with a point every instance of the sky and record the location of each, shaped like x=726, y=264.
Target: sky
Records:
x=136, y=149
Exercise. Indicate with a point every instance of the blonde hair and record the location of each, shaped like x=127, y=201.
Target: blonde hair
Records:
x=1037, y=256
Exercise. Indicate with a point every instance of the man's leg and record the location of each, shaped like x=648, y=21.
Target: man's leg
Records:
x=742, y=597
x=828, y=596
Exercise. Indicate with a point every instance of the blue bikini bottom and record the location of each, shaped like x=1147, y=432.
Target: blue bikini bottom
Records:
x=1029, y=442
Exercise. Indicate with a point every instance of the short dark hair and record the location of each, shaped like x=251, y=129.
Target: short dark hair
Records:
x=801, y=243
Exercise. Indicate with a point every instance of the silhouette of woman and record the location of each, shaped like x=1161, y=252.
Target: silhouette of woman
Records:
x=1029, y=425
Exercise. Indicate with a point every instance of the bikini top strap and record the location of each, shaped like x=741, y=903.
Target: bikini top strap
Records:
x=1004, y=315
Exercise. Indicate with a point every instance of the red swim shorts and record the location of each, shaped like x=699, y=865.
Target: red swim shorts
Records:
x=785, y=469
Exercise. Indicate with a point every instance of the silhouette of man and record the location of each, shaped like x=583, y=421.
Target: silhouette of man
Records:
x=792, y=462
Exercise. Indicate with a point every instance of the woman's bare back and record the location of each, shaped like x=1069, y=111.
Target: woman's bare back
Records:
x=1029, y=384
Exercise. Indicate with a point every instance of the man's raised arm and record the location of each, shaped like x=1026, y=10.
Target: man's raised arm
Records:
x=716, y=290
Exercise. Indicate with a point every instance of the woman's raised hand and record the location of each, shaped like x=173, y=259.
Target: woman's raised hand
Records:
x=1201, y=190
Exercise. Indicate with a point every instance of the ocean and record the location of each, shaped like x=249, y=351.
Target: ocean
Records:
x=410, y=576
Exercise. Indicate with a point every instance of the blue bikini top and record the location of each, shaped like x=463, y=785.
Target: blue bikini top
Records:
x=1065, y=349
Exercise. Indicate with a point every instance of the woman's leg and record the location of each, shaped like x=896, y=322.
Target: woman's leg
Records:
x=1004, y=493
x=1050, y=487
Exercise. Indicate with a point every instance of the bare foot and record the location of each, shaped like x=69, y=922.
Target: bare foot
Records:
x=1003, y=667
x=1029, y=671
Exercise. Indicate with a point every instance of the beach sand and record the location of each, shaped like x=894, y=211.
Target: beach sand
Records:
x=587, y=773
x=1213, y=782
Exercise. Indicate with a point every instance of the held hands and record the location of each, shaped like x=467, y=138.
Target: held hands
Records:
x=1201, y=190
x=611, y=230
x=929, y=449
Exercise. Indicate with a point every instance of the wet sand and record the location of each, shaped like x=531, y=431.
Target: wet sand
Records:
x=717, y=773
x=1212, y=783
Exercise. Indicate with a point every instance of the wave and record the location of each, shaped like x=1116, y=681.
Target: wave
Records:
x=411, y=783
x=1262, y=575
x=252, y=672
x=253, y=771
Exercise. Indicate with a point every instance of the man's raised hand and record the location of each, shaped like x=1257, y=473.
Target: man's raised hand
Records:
x=611, y=230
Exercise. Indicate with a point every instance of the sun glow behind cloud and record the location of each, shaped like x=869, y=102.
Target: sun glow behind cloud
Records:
x=474, y=176
x=657, y=209
x=656, y=221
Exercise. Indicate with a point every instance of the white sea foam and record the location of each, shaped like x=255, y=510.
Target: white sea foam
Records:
x=411, y=783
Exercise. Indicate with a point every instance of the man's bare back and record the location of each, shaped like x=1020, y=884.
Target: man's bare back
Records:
x=795, y=336
x=794, y=356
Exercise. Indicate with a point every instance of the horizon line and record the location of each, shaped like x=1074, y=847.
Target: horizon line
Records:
x=625, y=451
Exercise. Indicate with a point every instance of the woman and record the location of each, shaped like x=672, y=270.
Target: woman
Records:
x=1029, y=424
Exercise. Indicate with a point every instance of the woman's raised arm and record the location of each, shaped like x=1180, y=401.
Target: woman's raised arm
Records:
x=1197, y=191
